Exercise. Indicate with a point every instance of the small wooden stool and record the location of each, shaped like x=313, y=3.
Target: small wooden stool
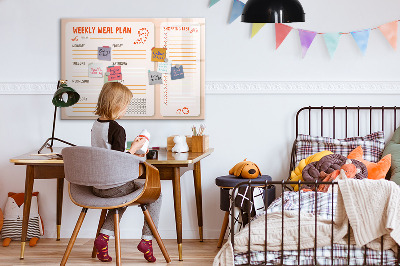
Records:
x=226, y=183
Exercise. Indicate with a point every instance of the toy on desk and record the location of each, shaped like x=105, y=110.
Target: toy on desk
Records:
x=144, y=134
x=180, y=144
x=13, y=216
x=245, y=169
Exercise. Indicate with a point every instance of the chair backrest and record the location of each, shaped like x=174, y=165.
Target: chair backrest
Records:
x=92, y=166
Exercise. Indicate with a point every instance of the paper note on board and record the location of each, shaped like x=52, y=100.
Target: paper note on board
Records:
x=164, y=67
x=104, y=53
x=177, y=72
x=158, y=54
x=155, y=78
x=115, y=73
x=95, y=71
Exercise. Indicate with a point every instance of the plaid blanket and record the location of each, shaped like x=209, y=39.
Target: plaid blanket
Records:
x=323, y=205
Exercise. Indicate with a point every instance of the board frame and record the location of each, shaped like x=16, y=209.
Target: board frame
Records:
x=157, y=22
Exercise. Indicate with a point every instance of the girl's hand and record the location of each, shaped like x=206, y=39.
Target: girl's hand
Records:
x=137, y=144
x=143, y=155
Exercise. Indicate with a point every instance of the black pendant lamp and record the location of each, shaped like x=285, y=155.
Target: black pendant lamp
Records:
x=273, y=11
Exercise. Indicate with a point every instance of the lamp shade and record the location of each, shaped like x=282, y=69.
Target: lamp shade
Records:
x=73, y=96
x=273, y=11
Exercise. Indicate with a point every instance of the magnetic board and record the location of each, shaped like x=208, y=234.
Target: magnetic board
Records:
x=133, y=52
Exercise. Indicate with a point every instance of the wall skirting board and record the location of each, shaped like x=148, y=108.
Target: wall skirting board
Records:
x=251, y=87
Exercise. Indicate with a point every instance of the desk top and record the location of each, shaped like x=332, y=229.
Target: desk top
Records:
x=164, y=157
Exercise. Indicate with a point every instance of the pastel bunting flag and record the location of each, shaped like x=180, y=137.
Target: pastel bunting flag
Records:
x=237, y=9
x=389, y=30
x=361, y=37
x=332, y=41
x=213, y=2
x=256, y=27
x=281, y=31
x=306, y=39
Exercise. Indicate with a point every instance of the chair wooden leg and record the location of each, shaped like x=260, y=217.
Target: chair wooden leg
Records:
x=73, y=237
x=117, y=239
x=223, y=229
x=101, y=222
x=154, y=230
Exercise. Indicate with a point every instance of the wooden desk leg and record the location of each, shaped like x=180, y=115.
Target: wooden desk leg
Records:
x=176, y=183
x=27, y=206
x=60, y=190
x=199, y=204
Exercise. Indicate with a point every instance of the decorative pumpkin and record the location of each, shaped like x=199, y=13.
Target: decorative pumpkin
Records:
x=245, y=169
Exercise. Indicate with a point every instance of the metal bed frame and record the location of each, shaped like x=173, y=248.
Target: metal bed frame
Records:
x=283, y=184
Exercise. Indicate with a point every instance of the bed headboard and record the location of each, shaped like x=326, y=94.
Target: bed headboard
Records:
x=344, y=121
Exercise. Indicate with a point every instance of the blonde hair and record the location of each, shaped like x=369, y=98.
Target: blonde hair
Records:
x=113, y=97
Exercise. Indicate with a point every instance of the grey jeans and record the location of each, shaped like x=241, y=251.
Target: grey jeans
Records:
x=154, y=208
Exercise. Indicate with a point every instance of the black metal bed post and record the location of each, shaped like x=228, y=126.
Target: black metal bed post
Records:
x=249, y=220
x=298, y=238
x=333, y=192
x=315, y=222
x=334, y=119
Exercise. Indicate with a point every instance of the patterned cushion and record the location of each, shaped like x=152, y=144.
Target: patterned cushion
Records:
x=372, y=144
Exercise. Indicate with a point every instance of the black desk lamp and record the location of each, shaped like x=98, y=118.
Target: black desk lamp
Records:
x=273, y=11
x=58, y=101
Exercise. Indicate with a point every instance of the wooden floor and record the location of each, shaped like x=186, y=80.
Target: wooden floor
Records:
x=50, y=252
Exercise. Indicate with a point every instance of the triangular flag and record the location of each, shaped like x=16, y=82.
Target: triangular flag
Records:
x=237, y=9
x=306, y=39
x=281, y=31
x=255, y=28
x=361, y=37
x=390, y=32
x=213, y=2
x=332, y=41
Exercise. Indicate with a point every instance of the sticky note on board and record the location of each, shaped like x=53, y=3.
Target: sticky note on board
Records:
x=115, y=73
x=177, y=72
x=155, y=77
x=158, y=54
x=164, y=67
x=104, y=53
x=95, y=70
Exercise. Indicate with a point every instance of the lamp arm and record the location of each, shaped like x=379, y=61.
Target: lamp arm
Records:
x=54, y=126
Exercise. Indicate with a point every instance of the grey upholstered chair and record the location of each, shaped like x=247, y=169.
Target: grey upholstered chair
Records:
x=85, y=167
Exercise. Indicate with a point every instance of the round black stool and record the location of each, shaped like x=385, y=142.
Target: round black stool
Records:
x=228, y=182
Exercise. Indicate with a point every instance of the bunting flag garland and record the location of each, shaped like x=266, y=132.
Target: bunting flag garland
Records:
x=281, y=31
x=213, y=2
x=361, y=37
x=237, y=9
x=306, y=39
x=256, y=27
x=389, y=30
x=332, y=41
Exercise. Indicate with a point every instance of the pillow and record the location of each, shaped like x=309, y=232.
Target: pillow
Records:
x=393, y=148
x=296, y=174
x=375, y=170
x=372, y=144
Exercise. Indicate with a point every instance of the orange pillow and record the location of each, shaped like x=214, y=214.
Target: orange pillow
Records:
x=375, y=170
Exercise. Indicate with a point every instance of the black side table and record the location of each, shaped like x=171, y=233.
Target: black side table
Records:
x=226, y=183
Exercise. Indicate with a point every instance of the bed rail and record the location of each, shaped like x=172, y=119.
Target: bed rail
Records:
x=353, y=119
x=265, y=185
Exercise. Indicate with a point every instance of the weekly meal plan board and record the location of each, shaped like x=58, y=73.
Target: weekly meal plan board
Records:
x=160, y=60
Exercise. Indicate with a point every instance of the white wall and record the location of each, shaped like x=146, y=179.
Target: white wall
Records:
x=259, y=127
